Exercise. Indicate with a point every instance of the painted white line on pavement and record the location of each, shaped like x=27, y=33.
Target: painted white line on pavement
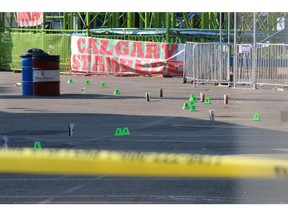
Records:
x=68, y=191
x=74, y=189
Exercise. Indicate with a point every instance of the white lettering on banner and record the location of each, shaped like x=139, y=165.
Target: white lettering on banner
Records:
x=46, y=75
x=29, y=18
x=130, y=57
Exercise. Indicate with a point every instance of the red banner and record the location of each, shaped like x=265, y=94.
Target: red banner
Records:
x=26, y=19
x=126, y=57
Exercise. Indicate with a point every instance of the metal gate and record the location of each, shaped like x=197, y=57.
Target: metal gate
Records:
x=271, y=64
x=207, y=62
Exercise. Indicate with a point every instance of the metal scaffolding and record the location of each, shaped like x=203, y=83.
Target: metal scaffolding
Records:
x=54, y=34
x=154, y=26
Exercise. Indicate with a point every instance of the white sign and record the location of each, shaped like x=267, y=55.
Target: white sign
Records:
x=245, y=48
x=46, y=75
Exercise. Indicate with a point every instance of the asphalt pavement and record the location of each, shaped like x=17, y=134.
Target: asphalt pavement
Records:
x=158, y=125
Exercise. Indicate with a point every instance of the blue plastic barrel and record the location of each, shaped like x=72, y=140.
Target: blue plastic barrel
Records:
x=27, y=88
x=27, y=70
x=27, y=75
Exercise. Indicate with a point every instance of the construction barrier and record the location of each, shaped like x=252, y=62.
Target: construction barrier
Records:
x=207, y=62
x=112, y=163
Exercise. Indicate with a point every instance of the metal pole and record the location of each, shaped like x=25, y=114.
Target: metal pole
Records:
x=87, y=21
x=173, y=18
x=167, y=27
x=228, y=42
x=44, y=21
x=153, y=20
x=269, y=22
x=156, y=20
x=220, y=27
x=173, y=24
x=235, y=51
x=221, y=51
x=3, y=21
x=133, y=20
x=70, y=23
x=69, y=20
x=228, y=28
x=109, y=20
x=129, y=20
x=146, y=20
x=203, y=20
x=141, y=20
x=254, y=53
x=286, y=29
x=75, y=23
x=64, y=21
x=11, y=19
x=274, y=22
x=185, y=24
x=114, y=19
x=210, y=20
x=203, y=23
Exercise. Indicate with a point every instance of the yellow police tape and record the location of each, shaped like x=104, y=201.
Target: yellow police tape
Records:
x=112, y=163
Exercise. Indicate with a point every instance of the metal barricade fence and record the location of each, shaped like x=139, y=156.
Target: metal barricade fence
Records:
x=243, y=73
x=271, y=64
x=188, y=71
x=207, y=62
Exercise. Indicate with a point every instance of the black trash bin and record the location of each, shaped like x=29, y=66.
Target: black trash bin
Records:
x=27, y=69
